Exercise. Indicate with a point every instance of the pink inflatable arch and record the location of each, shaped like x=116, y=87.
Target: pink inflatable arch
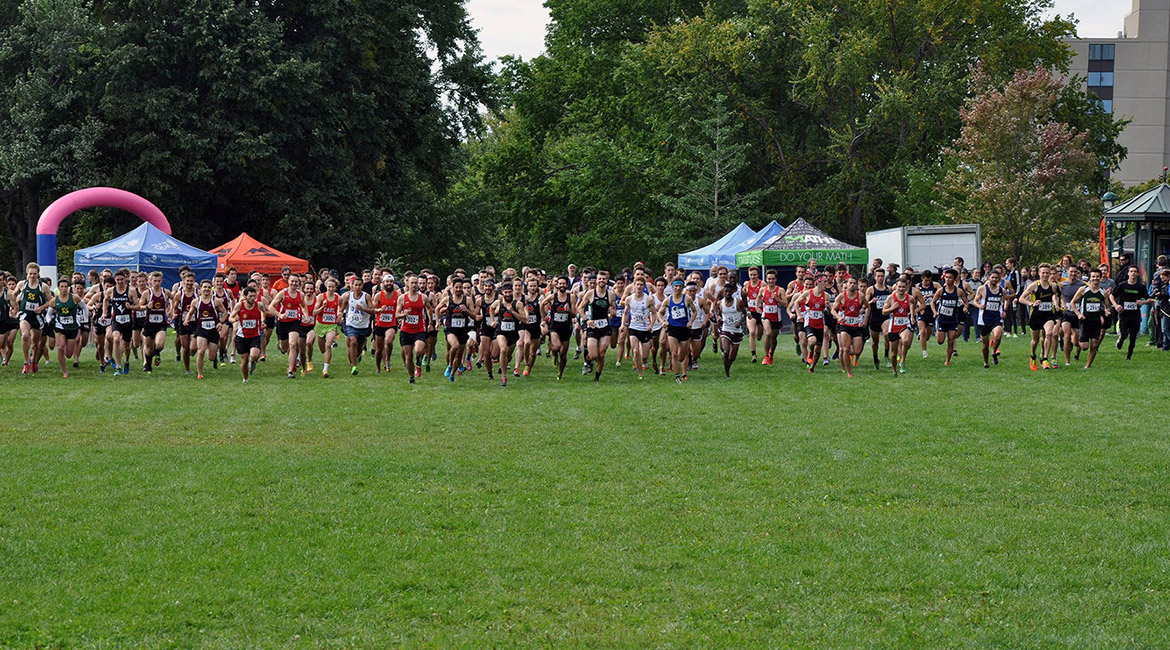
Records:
x=93, y=197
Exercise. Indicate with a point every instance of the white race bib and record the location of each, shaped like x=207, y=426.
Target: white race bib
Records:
x=771, y=309
x=1092, y=306
x=752, y=303
x=292, y=313
x=248, y=324
x=853, y=321
x=1129, y=306
x=561, y=317
x=385, y=317
x=902, y=321
x=532, y=318
x=814, y=314
x=121, y=319
x=30, y=306
x=458, y=322
x=207, y=324
x=1046, y=306
x=507, y=326
x=944, y=310
x=65, y=320
x=881, y=301
x=412, y=319
x=599, y=324
x=678, y=313
x=328, y=318
x=156, y=318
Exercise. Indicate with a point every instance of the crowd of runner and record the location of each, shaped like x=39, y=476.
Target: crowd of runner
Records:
x=658, y=323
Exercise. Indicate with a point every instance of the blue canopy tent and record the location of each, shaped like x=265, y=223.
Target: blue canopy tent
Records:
x=147, y=248
x=703, y=258
x=769, y=231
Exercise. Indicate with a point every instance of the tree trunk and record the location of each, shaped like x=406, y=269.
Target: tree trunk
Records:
x=857, y=217
x=27, y=241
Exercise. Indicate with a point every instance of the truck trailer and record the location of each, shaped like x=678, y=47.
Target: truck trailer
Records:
x=927, y=247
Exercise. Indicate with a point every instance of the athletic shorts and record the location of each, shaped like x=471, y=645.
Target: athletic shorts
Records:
x=408, y=339
x=460, y=334
x=680, y=333
x=380, y=331
x=562, y=329
x=946, y=325
x=244, y=346
x=854, y=331
x=797, y=328
x=697, y=333
x=533, y=330
x=754, y=315
x=927, y=316
x=359, y=333
x=185, y=329
x=122, y=329
x=487, y=331
x=895, y=336
x=876, y=321
x=6, y=326
x=304, y=329
x=830, y=323
x=212, y=336
x=1070, y=317
x=642, y=335
x=598, y=333
x=985, y=330
x=68, y=334
x=153, y=328
x=270, y=322
x=283, y=329
x=818, y=332
x=137, y=323
x=1038, y=318
x=511, y=338
x=615, y=330
x=735, y=338
x=323, y=329
x=36, y=321
x=1090, y=329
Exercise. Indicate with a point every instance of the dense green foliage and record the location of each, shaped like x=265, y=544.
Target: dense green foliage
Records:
x=340, y=118
x=948, y=508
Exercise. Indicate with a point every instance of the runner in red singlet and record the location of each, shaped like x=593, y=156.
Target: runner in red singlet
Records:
x=751, y=292
x=248, y=316
x=900, y=308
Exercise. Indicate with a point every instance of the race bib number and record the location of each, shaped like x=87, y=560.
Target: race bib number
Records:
x=733, y=320
x=156, y=318
x=752, y=303
x=1045, y=306
x=532, y=318
x=292, y=313
x=561, y=317
x=853, y=321
x=901, y=321
x=412, y=319
x=599, y=324
x=881, y=301
x=328, y=319
x=385, y=318
x=140, y=314
x=944, y=310
x=771, y=309
x=1093, y=307
x=30, y=306
x=814, y=314
x=248, y=324
x=65, y=320
x=507, y=326
x=1129, y=306
x=678, y=313
x=207, y=324
x=458, y=322
x=122, y=319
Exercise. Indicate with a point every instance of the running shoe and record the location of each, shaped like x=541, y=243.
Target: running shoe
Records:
x=515, y=372
x=418, y=372
x=412, y=380
x=64, y=375
x=503, y=382
x=76, y=364
x=677, y=379
x=264, y=357
x=888, y=364
x=902, y=367
x=754, y=357
x=178, y=357
x=27, y=369
x=924, y=354
x=309, y=365
x=324, y=374
x=199, y=376
x=447, y=372
x=1032, y=365
x=526, y=371
x=451, y=377
x=1046, y=365
x=353, y=370
x=35, y=367
x=292, y=375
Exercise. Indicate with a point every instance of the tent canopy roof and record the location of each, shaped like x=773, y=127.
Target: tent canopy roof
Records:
x=146, y=248
x=703, y=258
x=1151, y=205
x=247, y=255
x=799, y=243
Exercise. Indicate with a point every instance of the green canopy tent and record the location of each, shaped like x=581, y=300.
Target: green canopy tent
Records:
x=799, y=243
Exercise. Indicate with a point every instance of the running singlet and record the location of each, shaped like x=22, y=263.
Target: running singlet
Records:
x=206, y=316
x=992, y=312
x=1093, y=305
x=639, y=313
x=387, y=304
x=851, y=311
x=900, y=318
x=507, y=317
x=676, y=313
x=307, y=318
x=185, y=302
x=412, y=314
x=928, y=295
x=119, y=306
x=948, y=305
x=599, y=311
x=457, y=318
x=1128, y=295
x=533, y=307
x=814, y=311
x=249, y=323
x=753, y=296
x=879, y=297
x=328, y=315
x=156, y=308
x=770, y=303
x=1043, y=297
x=290, y=307
x=31, y=298
x=732, y=318
x=66, y=313
x=658, y=303
x=354, y=316
x=559, y=313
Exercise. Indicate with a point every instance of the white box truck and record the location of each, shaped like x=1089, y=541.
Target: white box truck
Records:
x=927, y=247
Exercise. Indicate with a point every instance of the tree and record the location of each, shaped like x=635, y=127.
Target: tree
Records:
x=1019, y=171
x=710, y=200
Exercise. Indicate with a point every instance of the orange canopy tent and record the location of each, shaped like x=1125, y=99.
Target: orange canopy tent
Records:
x=247, y=255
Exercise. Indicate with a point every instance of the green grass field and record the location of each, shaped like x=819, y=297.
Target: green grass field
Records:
x=950, y=507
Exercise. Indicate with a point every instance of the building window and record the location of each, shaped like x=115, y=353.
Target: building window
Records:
x=1101, y=51
x=1100, y=79
x=1107, y=104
